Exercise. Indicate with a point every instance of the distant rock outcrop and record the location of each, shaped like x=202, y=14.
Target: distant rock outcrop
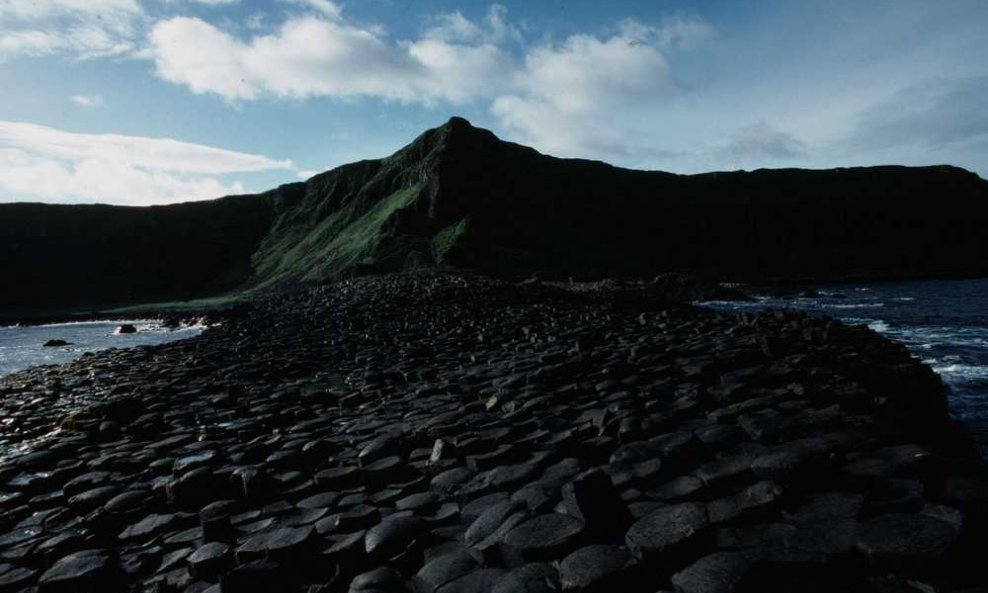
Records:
x=459, y=197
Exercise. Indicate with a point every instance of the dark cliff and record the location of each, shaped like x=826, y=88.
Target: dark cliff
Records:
x=459, y=196
x=59, y=258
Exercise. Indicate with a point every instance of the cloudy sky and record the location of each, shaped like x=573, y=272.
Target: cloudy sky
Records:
x=157, y=101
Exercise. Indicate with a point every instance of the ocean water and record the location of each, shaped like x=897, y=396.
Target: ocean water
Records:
x=942, y=322
x=22, y=347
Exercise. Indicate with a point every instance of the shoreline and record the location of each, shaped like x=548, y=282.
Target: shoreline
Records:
x=190, y=317
x=386, y=423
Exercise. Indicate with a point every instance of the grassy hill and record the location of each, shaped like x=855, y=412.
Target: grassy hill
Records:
x=459, y=196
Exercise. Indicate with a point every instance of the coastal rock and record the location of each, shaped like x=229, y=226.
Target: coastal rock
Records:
x=294, y=449
x=84, y=571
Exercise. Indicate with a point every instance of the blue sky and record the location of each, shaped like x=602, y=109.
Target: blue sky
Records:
x=157, y=101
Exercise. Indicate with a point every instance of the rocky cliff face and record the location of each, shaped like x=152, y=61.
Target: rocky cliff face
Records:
x=73, y=257
x=459, y=196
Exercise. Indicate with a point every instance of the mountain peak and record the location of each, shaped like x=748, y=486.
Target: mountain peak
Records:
x=456, y=122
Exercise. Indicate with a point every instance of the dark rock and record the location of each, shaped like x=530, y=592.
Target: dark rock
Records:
x=262, y=576
x=598, y=568
x=393, y=535
x=479, y=581
x=490, y=520
x=445, y=569
x=531, y=578
x=723, y=572
x=132, y=500
x=593, y=499
x=15, y=579
x=88, y=571
x=665, y=528
x=209, y=561
x=383, y=579
x=545, y=537
x=901, y=540
x=286, y=545
x=150, y=526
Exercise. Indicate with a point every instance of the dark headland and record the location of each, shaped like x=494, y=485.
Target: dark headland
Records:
x=457, y=196
x=413, y=396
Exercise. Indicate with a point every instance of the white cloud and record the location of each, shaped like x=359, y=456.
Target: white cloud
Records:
x=303, y=175
x=42, y=163
x=326, y=7
x=27, y=43
x=84, y=28
x=88, y=101
x=35, y=9
x=758, y=143
x=587, y=96
x=312, y=56
x=678, y=31
x=216, y=2
x=495, y=28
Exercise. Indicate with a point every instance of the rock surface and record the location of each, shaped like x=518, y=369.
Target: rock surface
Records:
x=439, y=433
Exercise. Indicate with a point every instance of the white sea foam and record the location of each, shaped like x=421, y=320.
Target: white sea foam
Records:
x=852, y=305
x=964, y=371
x=135, y=322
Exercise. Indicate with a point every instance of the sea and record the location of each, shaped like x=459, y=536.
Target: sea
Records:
x=944, y=323
x=23, y=347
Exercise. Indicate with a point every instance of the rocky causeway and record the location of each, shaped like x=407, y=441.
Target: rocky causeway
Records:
x=441, y=433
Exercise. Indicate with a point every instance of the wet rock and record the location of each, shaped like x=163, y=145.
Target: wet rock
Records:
x=132, y=500
x=88, y=571
x=150, y=526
